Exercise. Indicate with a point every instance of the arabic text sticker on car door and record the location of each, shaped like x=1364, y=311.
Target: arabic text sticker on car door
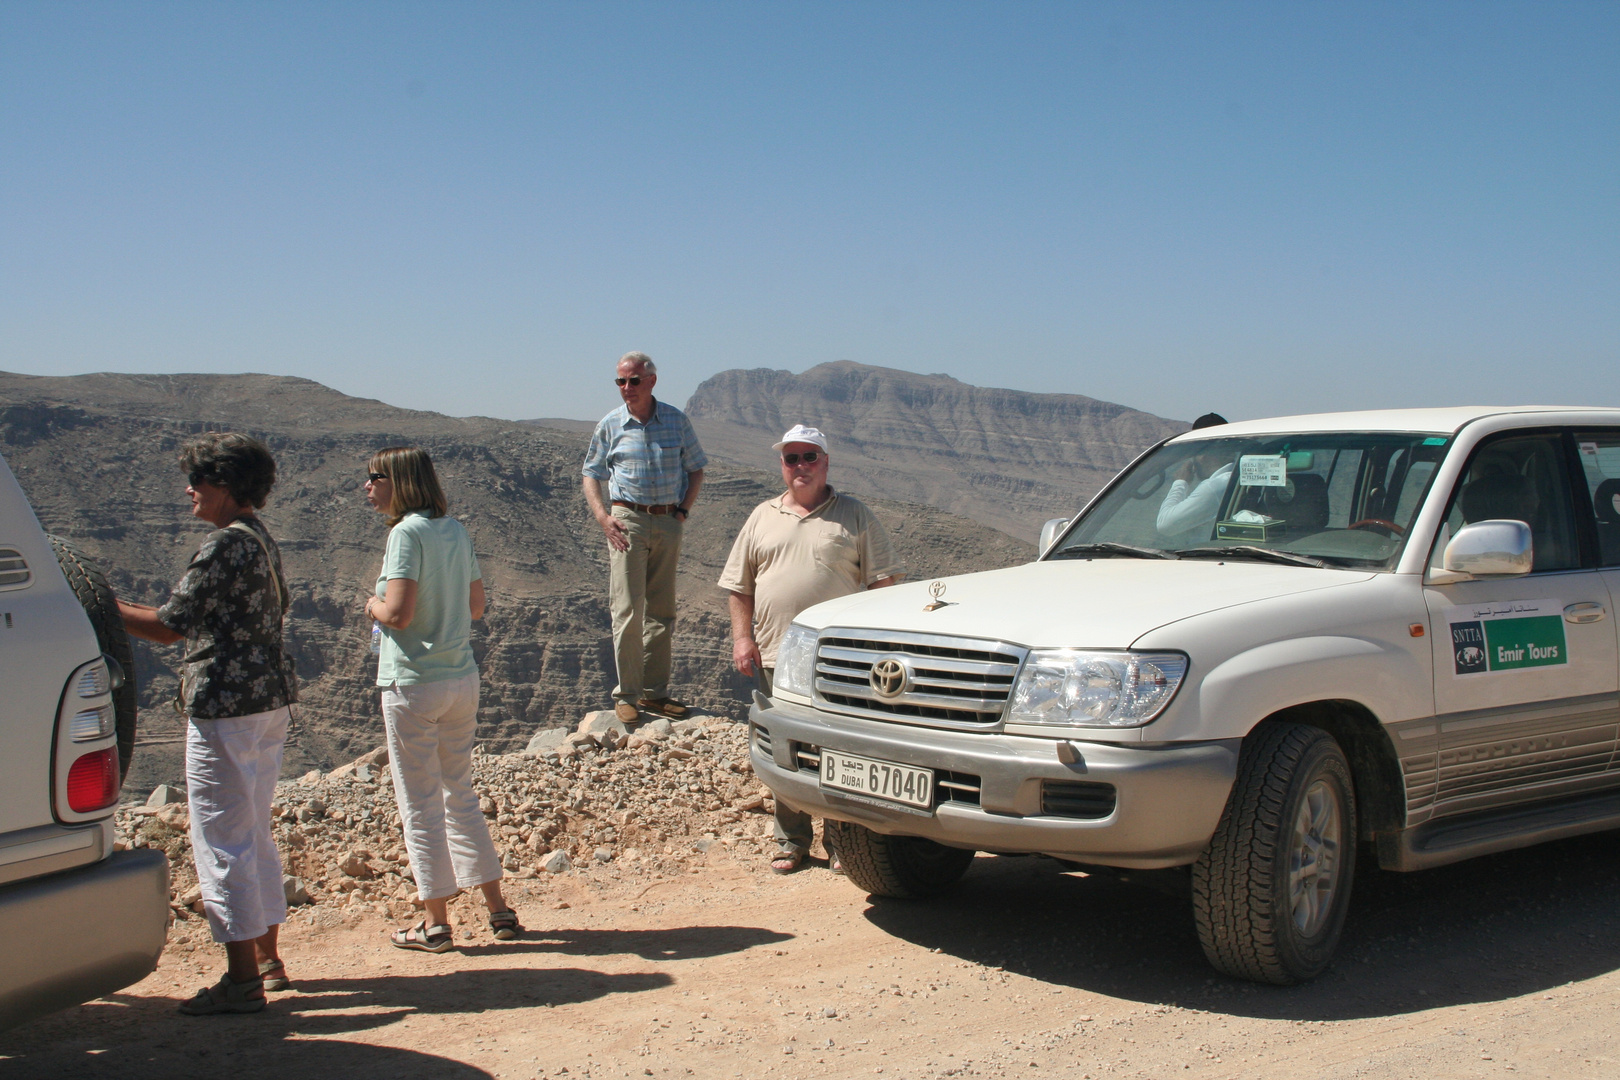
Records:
x=1507, y=636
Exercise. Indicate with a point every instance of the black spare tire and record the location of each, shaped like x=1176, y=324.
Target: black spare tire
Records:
x=89, y=584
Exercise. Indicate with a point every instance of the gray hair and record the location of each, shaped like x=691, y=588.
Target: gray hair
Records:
x=639, y=358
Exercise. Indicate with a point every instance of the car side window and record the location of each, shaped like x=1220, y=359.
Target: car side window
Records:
x=1522, y=478
x=1600, y=464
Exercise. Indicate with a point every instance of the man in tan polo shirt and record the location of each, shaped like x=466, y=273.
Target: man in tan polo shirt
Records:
x=807, y=545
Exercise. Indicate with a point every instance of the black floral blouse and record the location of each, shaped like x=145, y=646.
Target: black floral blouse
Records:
x=229, y=609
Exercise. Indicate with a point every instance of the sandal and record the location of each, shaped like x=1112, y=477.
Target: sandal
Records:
x=505, y=924
x=226, y=996
x=422, y=937
x=787, y=861
x=276, y=981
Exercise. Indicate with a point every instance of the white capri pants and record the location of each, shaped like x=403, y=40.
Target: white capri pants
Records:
x=430, y=740
x=232, y=765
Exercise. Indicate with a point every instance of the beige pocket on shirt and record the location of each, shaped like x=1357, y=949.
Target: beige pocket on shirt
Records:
x=835, y=549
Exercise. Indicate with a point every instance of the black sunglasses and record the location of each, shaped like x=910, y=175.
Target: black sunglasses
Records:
x=195, y=478
x=809, y=457
x=634, y=380
x=373, y=477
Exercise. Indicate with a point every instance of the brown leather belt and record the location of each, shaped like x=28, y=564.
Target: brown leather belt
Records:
x=665, y=508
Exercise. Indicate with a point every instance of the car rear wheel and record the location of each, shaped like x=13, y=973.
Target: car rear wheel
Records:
x=906, y=867
x=89, y=584
x=1271, y=891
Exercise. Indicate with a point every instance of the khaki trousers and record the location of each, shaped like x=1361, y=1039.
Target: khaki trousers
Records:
x=641, y=592
x=794, y=828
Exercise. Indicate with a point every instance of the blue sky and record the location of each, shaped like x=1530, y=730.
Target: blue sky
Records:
x=476, y=207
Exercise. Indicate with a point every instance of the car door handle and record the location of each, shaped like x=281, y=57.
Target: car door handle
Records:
x=1584, y=612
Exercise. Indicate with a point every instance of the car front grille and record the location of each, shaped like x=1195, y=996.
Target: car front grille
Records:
x=957, y=682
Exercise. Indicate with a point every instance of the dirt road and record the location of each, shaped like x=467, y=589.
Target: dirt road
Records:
x=1501, y=967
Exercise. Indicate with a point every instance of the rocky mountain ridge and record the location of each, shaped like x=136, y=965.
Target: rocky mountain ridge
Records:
x=1005, y=458
x=96, y=455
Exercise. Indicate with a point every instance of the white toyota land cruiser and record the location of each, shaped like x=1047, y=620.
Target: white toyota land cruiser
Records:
x=1263, y=646
x=78, y=919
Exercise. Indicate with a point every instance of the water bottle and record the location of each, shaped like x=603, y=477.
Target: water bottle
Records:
x=376, y=638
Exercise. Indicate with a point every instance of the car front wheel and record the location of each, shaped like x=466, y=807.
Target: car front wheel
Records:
x=1271, y=891
x=907, y=867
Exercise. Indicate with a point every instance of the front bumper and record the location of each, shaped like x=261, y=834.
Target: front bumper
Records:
x=81, y=933
x=1167, y=799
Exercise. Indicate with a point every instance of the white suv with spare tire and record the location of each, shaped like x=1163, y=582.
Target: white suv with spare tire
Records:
x=79, y=919
x=1262, y=647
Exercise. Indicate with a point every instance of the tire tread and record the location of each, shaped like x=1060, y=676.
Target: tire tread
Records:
x=880, y=865
x=89, y=585
x=1234, y=882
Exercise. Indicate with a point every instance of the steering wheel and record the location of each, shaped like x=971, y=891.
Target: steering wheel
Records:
x=1394, y=529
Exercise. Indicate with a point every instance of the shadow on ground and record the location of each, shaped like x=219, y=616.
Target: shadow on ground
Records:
x=1486, y=930
x=242, y=1059
x=675, y=943
x=297, y=1033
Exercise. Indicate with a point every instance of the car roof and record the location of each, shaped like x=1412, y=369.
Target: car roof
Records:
x=1448, y=420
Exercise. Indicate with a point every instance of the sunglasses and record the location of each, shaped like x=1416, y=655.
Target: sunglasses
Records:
x=373, y=477
x=634, y=380
x=809, y=457
x=196, y=479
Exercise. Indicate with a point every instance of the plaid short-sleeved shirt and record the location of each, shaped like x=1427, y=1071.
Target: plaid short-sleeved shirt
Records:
x=647, y=462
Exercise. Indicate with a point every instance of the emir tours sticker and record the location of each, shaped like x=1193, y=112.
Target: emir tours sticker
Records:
x=1507, y=636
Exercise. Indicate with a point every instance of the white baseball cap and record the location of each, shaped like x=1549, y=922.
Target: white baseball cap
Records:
x=800, y=433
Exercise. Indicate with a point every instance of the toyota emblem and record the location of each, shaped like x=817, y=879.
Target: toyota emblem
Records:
x=889, y=677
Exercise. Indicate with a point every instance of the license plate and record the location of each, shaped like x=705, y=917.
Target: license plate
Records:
x=877, y=779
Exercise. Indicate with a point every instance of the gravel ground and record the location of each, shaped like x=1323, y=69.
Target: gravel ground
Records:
x=681, y=955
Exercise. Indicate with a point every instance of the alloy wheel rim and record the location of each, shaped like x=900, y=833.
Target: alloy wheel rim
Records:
x=1313, y=858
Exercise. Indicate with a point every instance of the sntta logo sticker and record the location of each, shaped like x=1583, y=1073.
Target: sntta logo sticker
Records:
x=1507, y=636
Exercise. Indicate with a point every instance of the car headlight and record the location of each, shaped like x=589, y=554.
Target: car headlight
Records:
x=796, y=661
x=1095, y=689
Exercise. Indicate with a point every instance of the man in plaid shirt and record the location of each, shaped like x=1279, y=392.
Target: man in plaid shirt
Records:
x=647, y=456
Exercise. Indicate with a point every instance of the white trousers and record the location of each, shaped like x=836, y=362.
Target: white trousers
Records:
x=232, y=766
x=430, y=739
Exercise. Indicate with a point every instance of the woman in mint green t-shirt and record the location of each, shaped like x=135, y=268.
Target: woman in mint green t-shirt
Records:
x=427, y=595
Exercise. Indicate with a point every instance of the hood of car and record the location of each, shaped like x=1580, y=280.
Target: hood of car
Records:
x=1072, y=603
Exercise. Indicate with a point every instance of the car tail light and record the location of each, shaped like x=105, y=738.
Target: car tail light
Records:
x=92, y=782
x=84, y=756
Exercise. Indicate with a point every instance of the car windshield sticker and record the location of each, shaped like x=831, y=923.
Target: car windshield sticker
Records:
x=1263, y=470
x=1435, y=440
x=1507, y=636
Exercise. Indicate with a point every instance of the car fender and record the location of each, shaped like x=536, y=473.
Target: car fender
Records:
x=1251, y=685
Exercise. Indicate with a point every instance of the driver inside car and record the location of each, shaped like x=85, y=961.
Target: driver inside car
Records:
x=1194, y=498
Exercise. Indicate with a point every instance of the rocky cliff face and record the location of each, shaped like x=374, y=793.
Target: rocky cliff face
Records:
x=1005, y=458
x=96, y=455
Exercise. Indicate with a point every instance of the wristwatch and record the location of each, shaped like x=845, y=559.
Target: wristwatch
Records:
x=683, y=511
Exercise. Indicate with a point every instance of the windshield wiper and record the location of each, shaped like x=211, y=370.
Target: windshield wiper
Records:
x=1244, y=551
x=1109, y=547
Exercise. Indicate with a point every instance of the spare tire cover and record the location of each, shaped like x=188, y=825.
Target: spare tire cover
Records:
x=90, y=586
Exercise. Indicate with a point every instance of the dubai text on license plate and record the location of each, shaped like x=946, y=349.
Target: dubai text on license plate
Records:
x=877, y=779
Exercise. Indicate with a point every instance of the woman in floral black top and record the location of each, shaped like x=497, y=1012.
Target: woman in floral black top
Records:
x=237, y=686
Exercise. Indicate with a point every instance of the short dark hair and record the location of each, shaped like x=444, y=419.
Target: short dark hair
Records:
x=238, y=463
x=1209, y=419
x=416, y=485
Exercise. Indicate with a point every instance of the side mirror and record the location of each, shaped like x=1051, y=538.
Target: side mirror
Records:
x=1049, y=533
x=1496, y=548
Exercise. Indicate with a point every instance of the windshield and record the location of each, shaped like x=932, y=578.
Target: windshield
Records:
x=1333, y=499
